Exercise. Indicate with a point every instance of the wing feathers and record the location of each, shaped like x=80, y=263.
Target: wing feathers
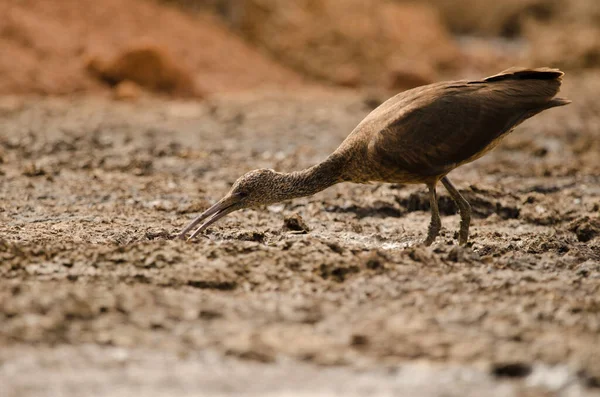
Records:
x=432, y=130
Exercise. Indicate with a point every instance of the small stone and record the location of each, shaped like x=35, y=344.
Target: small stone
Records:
x=359, y=340
x=511, y=370
x=127, y=91
x=10, y=104
x=295, y=223
x=585, y=228
x=375, y=261
x=347, y=76
x=33, y=170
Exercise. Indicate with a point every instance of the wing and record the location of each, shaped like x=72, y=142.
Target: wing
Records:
x=459, y=120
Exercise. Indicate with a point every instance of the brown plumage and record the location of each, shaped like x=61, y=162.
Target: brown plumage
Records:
x=418, y=136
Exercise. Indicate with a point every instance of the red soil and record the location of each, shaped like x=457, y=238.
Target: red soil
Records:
x=46, y=47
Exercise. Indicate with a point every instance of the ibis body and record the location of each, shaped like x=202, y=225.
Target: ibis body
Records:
x=417, y=136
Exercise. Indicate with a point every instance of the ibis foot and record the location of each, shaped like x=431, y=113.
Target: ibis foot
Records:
x=436, y=223
x=464, y=209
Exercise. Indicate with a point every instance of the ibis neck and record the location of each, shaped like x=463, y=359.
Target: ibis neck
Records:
x=312, y=180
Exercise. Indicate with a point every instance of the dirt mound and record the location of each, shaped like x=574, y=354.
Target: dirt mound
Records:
x=350, y=43
x=148, y=66
x=45, y=46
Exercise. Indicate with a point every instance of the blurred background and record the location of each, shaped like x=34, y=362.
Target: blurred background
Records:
x=195, y=48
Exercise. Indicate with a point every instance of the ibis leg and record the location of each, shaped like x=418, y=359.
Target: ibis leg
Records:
x=436, y=224
x=465, y=210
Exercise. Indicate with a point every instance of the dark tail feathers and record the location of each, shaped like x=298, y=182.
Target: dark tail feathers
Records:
x=518, y=73
x=552, y=77
x=558, y=102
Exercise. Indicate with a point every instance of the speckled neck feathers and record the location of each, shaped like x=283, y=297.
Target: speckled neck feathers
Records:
x=311, y=180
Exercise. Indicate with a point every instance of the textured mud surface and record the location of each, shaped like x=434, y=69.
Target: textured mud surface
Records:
x=93, y=192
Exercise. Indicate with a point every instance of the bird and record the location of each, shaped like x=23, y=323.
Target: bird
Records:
x=416, y=137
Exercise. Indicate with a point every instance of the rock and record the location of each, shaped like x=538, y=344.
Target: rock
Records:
x=127, y=90
x=585, y=228
x=33, y=170
x=347, y=76
x=147, y=65
x=511, y=369
x=295, y=223
x=10, y=105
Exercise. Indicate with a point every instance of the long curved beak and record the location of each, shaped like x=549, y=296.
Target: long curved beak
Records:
x=225, y=206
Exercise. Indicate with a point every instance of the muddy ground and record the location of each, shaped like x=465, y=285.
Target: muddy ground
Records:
x=97, y=298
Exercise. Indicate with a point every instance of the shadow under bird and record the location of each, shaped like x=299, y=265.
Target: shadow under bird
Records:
x=417, y=136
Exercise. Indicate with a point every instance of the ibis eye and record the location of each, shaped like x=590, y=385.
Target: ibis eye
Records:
x=242, y=194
